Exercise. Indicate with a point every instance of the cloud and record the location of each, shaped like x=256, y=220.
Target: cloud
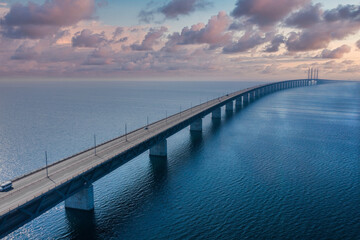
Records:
x=273, y=68
x=265, y=12
x=335, y=24
x=86, y=38
x=336, y=53
x=118, y=31
x=306, y=17
x=25, y=53
x=182, y=7
x=100, y=56
x=102, y=3
x=174, y=9
x=358, y=44
x=213, y=33
x=275, y=44
x=151, y=39
x=248, y=41
x=38, y=21
x=343, y=12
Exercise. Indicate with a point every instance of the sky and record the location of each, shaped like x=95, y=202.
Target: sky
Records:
x=179, y=39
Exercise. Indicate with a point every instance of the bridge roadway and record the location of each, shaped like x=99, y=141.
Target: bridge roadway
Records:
x=35, y=193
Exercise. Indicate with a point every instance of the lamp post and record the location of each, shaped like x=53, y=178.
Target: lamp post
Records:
x=125, y=132
x=95, y=144
x=46, y=163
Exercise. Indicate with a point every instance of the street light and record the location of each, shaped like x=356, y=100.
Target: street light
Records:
x=125, y=132
x=95, y=144
x=46, y=163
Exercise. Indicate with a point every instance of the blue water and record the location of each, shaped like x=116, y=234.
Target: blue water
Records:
x=285, y=167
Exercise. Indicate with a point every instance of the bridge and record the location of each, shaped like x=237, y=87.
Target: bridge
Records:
x=71, y=179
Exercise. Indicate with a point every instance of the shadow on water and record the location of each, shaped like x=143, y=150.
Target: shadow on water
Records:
x=228, y=115
x=81, y=224
x=159, y=167
x=129, y=199
x=196, y=141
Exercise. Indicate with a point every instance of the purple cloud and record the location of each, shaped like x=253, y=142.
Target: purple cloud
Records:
x=174, y=9
x=275, y=44
x=335, y=24
x=100, y=56
x=213, y=33
x=246, y=42
x=336, y=53
x=151, y=39
x=25, y=53
x=309, y=15
x=266, y=12
x=343, y=12
x=86, y=38
x=38, y=21
x=358, y=44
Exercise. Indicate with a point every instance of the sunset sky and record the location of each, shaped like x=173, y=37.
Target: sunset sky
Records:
x=179, y=39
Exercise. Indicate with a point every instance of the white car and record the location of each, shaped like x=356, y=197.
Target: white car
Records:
x=5, y=186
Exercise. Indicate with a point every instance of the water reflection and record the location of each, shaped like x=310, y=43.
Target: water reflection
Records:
x=229, y=114
x=159, y=167
x=196, y=141
x=81, y=224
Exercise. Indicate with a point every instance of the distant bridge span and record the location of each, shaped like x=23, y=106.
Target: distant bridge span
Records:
x=71, y=179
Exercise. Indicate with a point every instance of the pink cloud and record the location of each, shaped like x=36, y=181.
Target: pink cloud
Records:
x=100, y=56
x=275, y=44
x=86, y=38
x=213, y=33
x=336, y=53
x=306, y=17
x=248, y=41
x=38, y=21
x=151, y=39
x=335, y=24
x=173, y=9
x=266, y=12
x=182, y=7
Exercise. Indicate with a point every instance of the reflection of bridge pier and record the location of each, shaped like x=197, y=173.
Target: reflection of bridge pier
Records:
x=72, y=178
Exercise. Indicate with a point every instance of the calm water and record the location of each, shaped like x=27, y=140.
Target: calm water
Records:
x=285, y=167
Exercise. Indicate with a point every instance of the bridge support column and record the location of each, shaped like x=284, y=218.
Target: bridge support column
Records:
x=196, y=126
x=238, y=102
x=216, y=114
x=82, y=200
x=245, y=100
x=160, y=149
x=229, y=107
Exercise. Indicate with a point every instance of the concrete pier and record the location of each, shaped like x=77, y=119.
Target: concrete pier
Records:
x=160, y=149
x=216, y=114
x=245, y=100
x=229, y=107
x=82, y=200
x=196, y=126
x=238, y=102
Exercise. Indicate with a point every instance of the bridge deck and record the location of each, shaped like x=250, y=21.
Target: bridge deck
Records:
x=35, y=184
x=35, y=193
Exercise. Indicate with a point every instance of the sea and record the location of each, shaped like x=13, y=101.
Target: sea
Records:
x=287, y=166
